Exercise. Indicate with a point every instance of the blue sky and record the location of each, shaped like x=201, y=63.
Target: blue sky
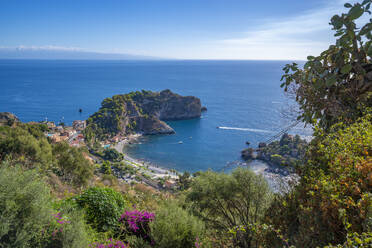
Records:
x=187, y=29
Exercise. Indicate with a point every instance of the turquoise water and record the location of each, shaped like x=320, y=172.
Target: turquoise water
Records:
x=243, y=97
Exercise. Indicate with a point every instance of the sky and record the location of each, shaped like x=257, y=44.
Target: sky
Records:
x=181, y=29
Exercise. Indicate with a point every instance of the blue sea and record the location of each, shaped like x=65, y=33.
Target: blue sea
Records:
x=244, y=98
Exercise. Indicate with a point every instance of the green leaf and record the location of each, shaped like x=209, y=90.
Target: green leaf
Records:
x=365, y=29
x=369, y=52
x=310, y=57
x=346, y=69
x=348, y=5
x=331, y=80
x=356, y=12
x=337, y=22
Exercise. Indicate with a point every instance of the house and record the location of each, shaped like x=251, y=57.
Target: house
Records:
x=50, y=124
x=79, y=125
x=59, y=138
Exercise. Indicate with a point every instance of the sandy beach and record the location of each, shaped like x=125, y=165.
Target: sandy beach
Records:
x=154, y=170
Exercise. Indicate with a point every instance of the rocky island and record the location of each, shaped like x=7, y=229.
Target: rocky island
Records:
x=288, y=151
x=140, y=112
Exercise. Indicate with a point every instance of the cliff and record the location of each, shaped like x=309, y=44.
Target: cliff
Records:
x=7, y=118
x=141, y=112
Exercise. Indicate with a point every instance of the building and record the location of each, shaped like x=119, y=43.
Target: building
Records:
x=50, y=124
x=79, y=125
x=59, y=138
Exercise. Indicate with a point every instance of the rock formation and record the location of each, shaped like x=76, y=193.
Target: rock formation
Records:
x=141, y=112
x=7, y=118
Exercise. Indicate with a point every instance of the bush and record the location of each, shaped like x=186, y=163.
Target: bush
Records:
x=228, y=200
x=25, y=207
x=103, y=207
x=175, y=227
x=112, y=155
x=68, y=229
x=71, y=164
x=333, y=198
x=19, y=146
x=137, y=223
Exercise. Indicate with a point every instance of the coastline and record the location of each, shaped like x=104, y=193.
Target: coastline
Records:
x=154, y=171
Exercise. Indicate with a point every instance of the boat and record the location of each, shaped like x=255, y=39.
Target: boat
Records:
x=180, y=142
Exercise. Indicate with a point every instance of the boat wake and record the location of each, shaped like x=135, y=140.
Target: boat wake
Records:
x=246, y=129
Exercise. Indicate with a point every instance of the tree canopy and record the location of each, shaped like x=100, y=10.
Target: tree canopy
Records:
x=336, y=85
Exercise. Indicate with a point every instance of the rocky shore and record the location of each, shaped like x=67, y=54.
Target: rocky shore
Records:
x=285, y=153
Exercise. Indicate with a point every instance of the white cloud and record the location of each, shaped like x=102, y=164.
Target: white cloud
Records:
x=293, y=38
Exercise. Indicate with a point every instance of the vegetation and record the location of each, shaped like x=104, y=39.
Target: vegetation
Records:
x=226, y=201
x=103, y=207
x=24, y=207
x=26, y=144
x=329, y=206
x=336, y=85
x=108, y=120
x=112, y=155
x=27, y=216
x=175, y=227
x=71, y=164
x=288, y=151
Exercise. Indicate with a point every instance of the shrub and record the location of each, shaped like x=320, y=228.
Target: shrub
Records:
x=225, y=201
x=67, y=229
x=71, y=164
x=333, y=198
x=19, y=146
x=112, y=155
x=109, y=243
x=175, y=227
x=103, y=207
x=25, y=207
x=137, y=223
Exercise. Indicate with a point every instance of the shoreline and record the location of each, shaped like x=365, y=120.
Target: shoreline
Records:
x=155, y=170
x=274, y=175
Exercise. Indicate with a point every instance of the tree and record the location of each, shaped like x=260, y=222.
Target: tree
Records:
x=184, y=181
x=112, y=155
x=71, y=164
x=336, y=85
x=228, y=200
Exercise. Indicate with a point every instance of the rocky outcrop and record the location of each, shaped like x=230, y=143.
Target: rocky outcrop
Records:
x=248, y=154
x=7, y=118
x=152, y=125
x=141, y=112
x=288, y=151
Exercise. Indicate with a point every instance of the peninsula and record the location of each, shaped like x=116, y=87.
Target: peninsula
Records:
x=141, y=112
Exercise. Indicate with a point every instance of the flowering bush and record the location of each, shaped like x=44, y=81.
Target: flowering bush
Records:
x=58, y=224
x=110, y=243
x=137, y=223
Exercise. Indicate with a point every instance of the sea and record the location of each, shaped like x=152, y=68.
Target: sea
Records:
x=244, y=100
